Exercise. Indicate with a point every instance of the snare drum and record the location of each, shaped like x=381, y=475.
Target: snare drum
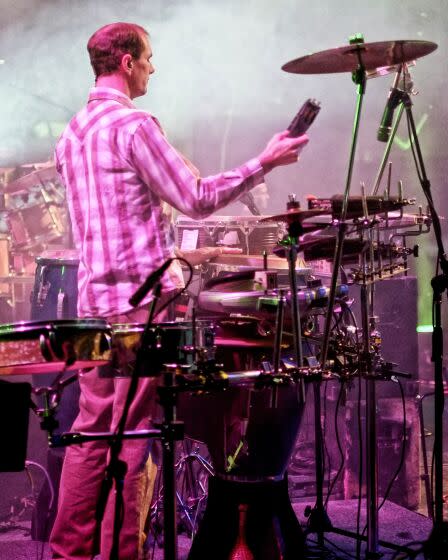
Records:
x=42, y=347
x=168, y=343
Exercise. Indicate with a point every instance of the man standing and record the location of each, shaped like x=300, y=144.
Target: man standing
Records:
x=119, y=170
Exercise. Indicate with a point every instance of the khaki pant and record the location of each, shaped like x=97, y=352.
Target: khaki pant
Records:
x=75, y=531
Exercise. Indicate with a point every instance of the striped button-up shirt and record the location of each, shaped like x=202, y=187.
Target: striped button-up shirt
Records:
x=119, y=169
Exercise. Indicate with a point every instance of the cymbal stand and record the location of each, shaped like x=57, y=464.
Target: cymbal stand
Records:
x=359, y=77
x=318, y=513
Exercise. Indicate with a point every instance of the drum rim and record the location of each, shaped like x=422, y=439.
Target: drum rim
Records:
x=65, y=261
x=87, y=323
x=167, y=325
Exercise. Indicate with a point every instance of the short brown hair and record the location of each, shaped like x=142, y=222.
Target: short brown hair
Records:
x=109, y=43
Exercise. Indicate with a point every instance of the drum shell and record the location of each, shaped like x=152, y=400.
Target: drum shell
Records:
x=243, y=232
x=265, y=421
x=44, y=347
x=167, y=343
x=55, y=292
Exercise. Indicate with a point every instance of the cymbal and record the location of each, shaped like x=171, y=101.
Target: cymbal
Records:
x=295, y=215
x=372, y=56
x=31, y=180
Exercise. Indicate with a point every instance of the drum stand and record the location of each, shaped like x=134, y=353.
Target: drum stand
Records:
x=169, y=432
x=189, y=466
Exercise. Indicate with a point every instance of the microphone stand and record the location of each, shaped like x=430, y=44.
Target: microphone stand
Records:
x=116, y=469
x=437, y=544
x=439, y=284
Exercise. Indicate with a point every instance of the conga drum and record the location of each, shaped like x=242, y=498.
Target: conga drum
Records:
x=54, y=297
x=55, y=292
x=250, y=430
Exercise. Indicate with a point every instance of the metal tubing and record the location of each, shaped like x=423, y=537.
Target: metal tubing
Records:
x=169, y=475
x=425, y=476
x=278, y=332
x=341, y=232
x=371, y=425
x=387, y=149
x=296, y=326
x=318, y=450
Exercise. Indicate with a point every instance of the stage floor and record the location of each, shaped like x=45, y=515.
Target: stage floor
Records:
x=397, y=525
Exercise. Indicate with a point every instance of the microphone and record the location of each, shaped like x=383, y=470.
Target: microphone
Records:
x=248, y=200
x=149, y=283
x=392, y=102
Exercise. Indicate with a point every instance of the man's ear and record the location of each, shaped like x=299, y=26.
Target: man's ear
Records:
x=126, y=62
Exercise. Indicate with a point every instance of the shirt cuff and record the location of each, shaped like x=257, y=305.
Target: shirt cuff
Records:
x=253, y=169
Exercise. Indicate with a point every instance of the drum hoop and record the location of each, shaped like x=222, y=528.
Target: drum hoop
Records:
x=168, y=325
x=24, y=327
x=65, y=261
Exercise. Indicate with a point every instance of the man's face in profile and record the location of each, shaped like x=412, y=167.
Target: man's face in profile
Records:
x=142, y=68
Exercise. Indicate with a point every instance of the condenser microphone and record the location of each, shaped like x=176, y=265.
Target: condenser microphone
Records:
x=394, y=98
x=149, y=283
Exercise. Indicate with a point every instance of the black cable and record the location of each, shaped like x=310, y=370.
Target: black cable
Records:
x=433, y=447
x=340, y=549
x=319, y=552
x=155, y=521
x=409, y=555
x=402, y=453
x=134, y=378
x=403, y=448
x=338, y=441
x=187, y=284
x=326, y=453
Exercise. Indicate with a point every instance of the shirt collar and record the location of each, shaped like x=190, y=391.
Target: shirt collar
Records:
x=108, y=93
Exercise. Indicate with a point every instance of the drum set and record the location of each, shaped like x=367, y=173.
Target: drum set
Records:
x=265, y=325
x=33, y=224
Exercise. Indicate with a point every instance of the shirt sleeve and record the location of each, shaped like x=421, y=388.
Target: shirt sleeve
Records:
x=169, y=176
